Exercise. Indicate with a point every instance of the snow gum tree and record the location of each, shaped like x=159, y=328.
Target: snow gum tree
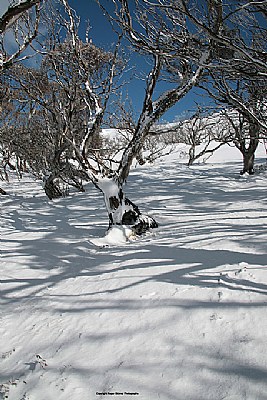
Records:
x=12, y=129
x=207, y=130
x=80, y=78
x=66, y=99
x=246, y=113
x=22, y=18
x=59, y=94
x=237, y=71
x=177, y=54
x=14, y=11
x=159, y=31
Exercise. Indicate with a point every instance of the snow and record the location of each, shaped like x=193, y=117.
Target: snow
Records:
x=117, y=235
x=108, y=186
x=177, y=314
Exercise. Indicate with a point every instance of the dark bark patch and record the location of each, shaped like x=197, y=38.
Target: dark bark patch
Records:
x=134, y=206
x=144, y=225
x=121, y=195
x=2, y=191
x=114, y=202
x=110, y=219
x=52, y=190
x=129, y=218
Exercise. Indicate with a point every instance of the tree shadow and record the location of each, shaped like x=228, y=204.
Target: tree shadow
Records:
x=53, y=237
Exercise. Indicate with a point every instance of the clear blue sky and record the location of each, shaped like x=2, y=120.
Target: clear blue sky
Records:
x=103, y=36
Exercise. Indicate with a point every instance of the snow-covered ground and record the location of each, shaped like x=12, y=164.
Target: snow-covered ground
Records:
x=179, y=314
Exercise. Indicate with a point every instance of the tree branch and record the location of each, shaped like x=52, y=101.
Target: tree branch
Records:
x=13, y=12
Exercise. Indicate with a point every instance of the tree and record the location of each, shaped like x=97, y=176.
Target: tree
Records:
x=11, y=130
x=206, y=132
x=240, y=40
x=59, y=94
x=24, y=24
x=245, y=133
x=178, y=55
x=237, y=70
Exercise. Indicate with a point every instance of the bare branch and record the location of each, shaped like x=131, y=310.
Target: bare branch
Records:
x=15, y=11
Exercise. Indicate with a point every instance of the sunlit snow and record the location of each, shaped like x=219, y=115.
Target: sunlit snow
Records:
x=178, y=314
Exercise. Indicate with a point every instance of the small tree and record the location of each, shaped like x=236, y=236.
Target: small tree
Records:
x=246, y=99
x=245, y=133
x=206, y=132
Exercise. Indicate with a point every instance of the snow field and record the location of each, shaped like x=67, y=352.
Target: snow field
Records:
x=179, y=314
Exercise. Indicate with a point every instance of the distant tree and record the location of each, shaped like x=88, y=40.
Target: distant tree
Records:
x=246, y=134
x=228, y=126
x=205, y=133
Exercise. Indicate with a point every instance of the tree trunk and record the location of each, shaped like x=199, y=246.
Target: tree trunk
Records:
x=248, y=147
x=191, y=155
x=248, y=162
x=57, y=184
x=52, y=188
x=249, y=152
x=121, y=211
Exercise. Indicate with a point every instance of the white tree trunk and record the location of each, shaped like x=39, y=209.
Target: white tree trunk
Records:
x=122, y=211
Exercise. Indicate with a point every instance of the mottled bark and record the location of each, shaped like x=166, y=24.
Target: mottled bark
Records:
x=122, y=211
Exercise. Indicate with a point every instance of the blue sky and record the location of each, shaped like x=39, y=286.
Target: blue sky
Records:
x=103, y=36
x=3, y=6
